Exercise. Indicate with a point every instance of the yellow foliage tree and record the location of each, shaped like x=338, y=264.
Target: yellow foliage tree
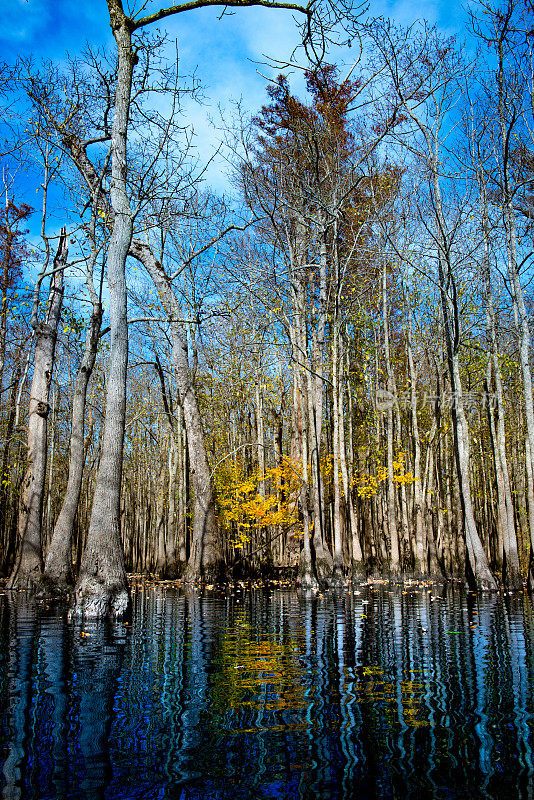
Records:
x=243, y=508
x=367, y=485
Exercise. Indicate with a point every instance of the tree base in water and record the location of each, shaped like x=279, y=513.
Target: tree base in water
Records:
x=324, y=566
x=358, y=571
x=174, y=570
x=55, y=588
x=208, y=573
x=95, y=600
x=307, y=581
x=337, y=580
x=306, y=578
x=26, y=578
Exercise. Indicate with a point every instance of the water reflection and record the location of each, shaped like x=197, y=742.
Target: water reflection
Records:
x=242, y=694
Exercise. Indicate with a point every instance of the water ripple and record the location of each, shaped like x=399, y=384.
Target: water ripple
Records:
x=271, y=694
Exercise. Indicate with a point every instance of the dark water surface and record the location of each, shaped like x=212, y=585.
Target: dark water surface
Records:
x=271, y=694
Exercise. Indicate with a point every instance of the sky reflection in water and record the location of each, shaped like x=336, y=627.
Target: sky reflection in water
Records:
x=254, y=694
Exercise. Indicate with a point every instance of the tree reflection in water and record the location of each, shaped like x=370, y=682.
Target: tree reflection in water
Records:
x=257, y=694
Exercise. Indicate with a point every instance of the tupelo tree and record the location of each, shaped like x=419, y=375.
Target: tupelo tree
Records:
x=102, y=586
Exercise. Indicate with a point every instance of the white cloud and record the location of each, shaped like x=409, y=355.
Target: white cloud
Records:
x=225, y=53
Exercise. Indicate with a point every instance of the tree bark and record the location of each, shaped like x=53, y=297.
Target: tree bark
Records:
x=161, y=491
x=5, y=473
x=520, y=311
x=306, y=575
x=395, y=555
x=512, y=572
x=324, y=563
x=338, y=565
x=102, y=586
x=206, y=560
x=420, y=562
x=28, y=566
x=58, y=565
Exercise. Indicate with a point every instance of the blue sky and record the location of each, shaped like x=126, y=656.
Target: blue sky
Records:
x=50, y=27
x=222, y=52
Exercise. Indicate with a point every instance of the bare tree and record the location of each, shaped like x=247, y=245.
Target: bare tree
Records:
x=503, y=29
x=424, y=76
x=29, y=560
x=102, y=586
x=58, y=565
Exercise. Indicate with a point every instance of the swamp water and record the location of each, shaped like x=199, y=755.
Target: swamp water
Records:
x=271, y=694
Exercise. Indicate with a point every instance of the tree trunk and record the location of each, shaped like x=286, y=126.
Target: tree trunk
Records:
x=176, y=555
x=481, y=573
x=206, y=560
x=28, y=566
x=47, y=516
x=161, y=491
x=520, y=311
x=315, y=376
x=357, y=563
x=264, y=534
x=305, y=572
x=395, y=555
x=58, y=565
x=506, y=522
x=338, y=565
x=102, y=586
x=5, y=472
x=420, y=563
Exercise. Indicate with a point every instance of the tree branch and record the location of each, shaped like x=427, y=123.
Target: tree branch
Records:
x=212, y=241
x=177, y=9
